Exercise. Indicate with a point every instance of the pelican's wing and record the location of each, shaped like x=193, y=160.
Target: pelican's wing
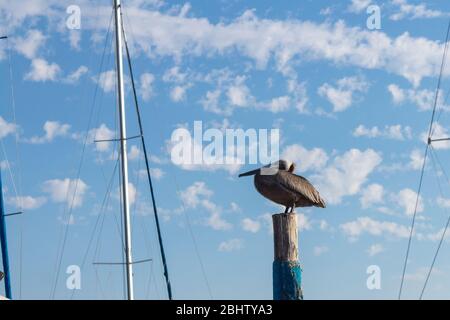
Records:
x=300, y=185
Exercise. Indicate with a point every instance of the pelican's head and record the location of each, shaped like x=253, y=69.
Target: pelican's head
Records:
x=283, y=165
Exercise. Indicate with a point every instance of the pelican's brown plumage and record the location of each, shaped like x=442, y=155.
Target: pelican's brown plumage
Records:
x=278, y=183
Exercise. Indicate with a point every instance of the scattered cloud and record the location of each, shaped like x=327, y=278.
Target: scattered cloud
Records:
x=305, y=160
x=346, y=174
x=27, y=202
x=363, y=225
x=342, y=95
x=371, y=195
x=375, y=249
x=198, y=195
x=357, y=6
x=42, y=71
x=76, y=75
x=146, y=85
x=30, y=44
x=69, y=191
x=101, y=133
x=52, y=129
x=320, y=250
x=406, y=10
x=231, y=245
x=6, y=128
x=251, y=225
x=394, y=132
x=407, y=199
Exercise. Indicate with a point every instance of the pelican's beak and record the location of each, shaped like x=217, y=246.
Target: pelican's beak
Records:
x=250, y=173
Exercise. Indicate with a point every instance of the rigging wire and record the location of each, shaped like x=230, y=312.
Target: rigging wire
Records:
x=144, y=149
x=430, y=132
x=18, y=162
x=434, y=155
x=188, y=223
x=69, y=209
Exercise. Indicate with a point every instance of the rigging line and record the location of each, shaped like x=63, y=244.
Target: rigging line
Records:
x=439, y=245
x=155, y=210
x=18, y=160
x=413, y=220
x=430, y=131
x=65, y=232
x=439, y=80
x=197, y=251
x=102, y=212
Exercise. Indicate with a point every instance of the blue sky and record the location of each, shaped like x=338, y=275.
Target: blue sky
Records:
x=352, y=105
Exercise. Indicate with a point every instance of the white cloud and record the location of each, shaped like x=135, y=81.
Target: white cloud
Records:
x=42, y=71
x=146, y=85
x=52, y=130
x=398, y=94
x=303, y=222
x=373, y=194
x=75, y=76
x=406, y=199
x=361, y=225
x=6, y=128
x=304, y=159
x=414, y=11
x=320, y=250
x=198, y=194
x=67, y=221
x=174, y=75
x=29, y=45
x=239, y=94
x=423, y=99
x=251, y=225
x=107, y=80
x=178, y=93
x=134, y=153
x=66, y=190
x=341, y=96
x=443, y=202
x=157, y=173
x=357, y=6
x=27, y=202
x=346, y=174
x=101, y=133
x=234, y=207
x=411, y=57
x=375, y=249
x=395, y=132
x=231, y=245
x=416, y=159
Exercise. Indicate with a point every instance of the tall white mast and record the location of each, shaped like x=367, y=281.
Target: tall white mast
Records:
x=123, y=151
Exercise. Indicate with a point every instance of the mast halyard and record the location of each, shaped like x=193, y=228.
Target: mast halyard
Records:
x=123, y=150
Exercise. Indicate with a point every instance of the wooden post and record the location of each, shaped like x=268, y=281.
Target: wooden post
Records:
x=287, y=273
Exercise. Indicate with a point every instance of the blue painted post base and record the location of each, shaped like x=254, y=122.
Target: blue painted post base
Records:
x=287, y=280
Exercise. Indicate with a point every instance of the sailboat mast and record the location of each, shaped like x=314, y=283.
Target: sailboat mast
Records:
x=4, y=244
x=3, y=237
x=123, y=150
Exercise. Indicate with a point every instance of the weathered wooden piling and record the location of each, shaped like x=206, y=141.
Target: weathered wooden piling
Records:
x=287, y=273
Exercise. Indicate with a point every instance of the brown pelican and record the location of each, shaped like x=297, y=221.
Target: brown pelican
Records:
x=278, y=183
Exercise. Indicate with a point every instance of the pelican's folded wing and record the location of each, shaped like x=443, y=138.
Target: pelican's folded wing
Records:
x=300, y=185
